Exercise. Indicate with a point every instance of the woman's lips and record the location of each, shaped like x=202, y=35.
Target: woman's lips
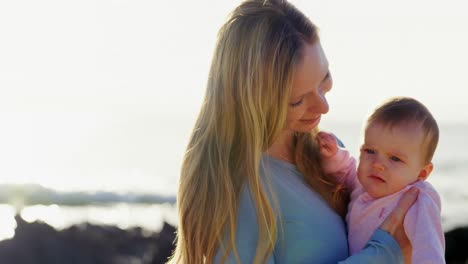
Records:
x=311, y=121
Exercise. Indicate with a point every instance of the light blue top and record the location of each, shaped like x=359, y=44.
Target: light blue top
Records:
x=312, y=231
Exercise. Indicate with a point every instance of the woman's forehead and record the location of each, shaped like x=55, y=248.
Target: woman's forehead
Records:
x=311, y=69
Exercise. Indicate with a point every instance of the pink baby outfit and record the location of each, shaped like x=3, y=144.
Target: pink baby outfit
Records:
x=365, y=214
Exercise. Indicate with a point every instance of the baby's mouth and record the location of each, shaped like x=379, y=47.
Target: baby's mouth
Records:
x=376, y=178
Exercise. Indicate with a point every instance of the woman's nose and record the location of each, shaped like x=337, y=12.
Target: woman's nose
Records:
x=319, y=105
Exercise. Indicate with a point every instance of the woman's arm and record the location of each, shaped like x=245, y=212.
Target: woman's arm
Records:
x=381, y=248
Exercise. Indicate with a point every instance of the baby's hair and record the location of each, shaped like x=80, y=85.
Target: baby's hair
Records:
x=398, y=111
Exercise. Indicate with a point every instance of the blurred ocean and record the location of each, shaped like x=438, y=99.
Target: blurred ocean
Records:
x=61, y=209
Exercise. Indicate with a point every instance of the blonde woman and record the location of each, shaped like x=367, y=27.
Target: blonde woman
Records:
x=251, y=188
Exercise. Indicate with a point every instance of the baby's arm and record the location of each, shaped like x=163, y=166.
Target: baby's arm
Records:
x=336, y=160
x=423, y=227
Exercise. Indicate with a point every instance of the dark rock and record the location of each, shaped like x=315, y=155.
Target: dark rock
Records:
x=456, y=246
x=39, y=243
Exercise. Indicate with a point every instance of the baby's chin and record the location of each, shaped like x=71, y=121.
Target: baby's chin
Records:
x=377, y=195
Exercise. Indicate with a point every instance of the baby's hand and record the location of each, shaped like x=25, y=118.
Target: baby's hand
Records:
x=327, y=143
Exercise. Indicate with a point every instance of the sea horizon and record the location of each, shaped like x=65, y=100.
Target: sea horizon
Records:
x=149, y=208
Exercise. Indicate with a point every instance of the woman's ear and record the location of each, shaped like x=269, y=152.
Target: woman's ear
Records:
x=425, y=171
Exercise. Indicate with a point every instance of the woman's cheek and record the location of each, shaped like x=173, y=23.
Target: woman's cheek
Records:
x=291, y=119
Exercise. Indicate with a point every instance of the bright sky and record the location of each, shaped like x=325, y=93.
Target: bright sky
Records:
x=103, y=94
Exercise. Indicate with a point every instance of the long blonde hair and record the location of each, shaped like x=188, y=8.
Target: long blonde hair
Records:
x=244, y=110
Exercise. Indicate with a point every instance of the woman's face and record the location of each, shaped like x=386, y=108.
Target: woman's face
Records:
x=311, y=82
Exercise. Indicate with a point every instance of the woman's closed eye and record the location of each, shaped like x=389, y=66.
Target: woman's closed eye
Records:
x=297, y=103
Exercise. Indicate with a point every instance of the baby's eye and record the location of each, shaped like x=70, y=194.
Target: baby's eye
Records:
x=369, y=151
x=395, y=158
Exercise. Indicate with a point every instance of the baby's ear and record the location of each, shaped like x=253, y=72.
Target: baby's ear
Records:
x=425, y=171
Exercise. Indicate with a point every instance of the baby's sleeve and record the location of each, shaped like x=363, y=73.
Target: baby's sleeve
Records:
x=342, y=166
x=424, y=229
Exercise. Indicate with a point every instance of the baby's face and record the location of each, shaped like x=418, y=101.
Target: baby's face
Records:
x=390, y=158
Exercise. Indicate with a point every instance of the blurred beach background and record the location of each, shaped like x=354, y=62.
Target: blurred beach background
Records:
x=98, y=98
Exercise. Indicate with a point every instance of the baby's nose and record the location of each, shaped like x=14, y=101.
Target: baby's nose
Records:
x=378, y=164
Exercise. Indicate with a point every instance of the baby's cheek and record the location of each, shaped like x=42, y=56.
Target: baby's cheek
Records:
x=361, y=166
x=363, y=163
x=362, y=158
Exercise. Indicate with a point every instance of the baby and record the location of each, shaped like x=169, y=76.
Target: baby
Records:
x=399, y=142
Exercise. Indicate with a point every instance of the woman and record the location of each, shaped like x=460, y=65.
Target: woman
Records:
x=251, y=188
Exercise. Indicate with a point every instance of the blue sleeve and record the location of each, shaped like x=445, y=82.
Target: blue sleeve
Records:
x=246, y=232
x=381, y=248
x=339, y=142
